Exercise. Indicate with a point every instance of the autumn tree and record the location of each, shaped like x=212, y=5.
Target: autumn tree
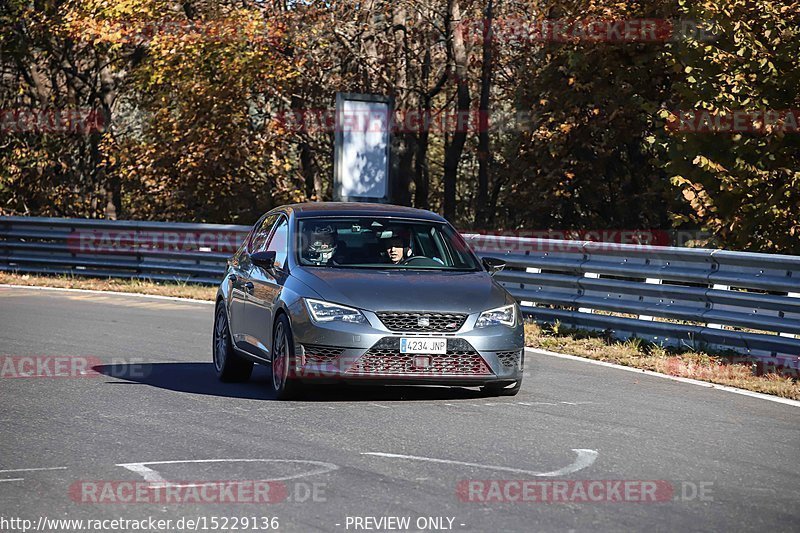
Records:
x=50, y=73
x=582, y=153
x=743, y=186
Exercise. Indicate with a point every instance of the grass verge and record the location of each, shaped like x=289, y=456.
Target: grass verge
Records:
x=729, y=369
x=178, y=290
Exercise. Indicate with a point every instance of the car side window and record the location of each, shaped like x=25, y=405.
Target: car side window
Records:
x=243, y=246
x=260, y=236
x=280, y=243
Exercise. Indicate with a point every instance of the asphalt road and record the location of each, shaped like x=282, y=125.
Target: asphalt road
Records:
x=156, y=399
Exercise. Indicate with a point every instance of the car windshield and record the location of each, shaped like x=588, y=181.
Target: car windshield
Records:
x=380, y=242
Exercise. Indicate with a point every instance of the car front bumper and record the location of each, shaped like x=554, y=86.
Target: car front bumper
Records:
x=338, y=351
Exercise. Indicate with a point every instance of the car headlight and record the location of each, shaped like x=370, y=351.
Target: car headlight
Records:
x=329, y=312
x=506, y=315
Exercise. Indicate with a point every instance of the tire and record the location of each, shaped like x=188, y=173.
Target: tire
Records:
x=282, y=383
x=502, y=388
x=230, y=366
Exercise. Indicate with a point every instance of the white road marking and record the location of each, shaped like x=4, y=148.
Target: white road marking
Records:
x=156, y=480
x=147, y=473
x=705, y=384
x=27, y=470
x=34, y=469
x=114, y=293
x=585, y=459
x=379, y=405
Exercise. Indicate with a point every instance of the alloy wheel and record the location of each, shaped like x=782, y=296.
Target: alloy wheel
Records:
x=220, y=339
x=280, y=357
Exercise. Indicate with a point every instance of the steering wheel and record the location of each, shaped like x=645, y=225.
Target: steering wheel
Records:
x=419, y=260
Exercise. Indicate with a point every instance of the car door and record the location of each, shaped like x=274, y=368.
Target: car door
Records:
x=241, y=284
x=236, y=277
x=266, y=290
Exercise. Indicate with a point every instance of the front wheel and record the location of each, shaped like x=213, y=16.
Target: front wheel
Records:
x=282, y=358
x=229, y=365
x=502, y=388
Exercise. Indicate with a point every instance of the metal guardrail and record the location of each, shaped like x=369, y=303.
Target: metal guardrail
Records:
x=161, y=251
x=701, y=298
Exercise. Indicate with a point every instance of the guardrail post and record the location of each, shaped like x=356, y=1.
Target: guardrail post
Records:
x=718, y=288
x=652, y=281
x=790, y=335
x=530, y=270
x=137, y=245
x=592, y=275
x=5, y=252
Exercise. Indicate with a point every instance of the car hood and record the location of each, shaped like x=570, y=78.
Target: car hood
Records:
x=405, y=290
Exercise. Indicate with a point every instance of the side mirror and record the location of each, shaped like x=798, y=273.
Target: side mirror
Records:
x=493, y=265
x=265, y=260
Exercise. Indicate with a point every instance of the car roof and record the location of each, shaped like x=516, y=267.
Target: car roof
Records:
x=313, y=209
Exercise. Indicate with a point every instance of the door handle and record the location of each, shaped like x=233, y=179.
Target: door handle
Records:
x=248, y=286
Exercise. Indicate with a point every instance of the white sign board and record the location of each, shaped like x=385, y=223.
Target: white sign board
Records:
x=362, y=148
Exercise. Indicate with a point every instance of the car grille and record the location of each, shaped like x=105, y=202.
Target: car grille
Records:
x=510, y=359
x=421, y=322
x=385, y=358
x=317, y=354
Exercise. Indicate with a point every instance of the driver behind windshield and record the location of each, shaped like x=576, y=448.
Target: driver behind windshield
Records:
x=321, y=244
x=396, y=249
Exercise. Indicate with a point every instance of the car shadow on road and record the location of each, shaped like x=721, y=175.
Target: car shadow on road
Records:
x=200, y=378
x=194, y=378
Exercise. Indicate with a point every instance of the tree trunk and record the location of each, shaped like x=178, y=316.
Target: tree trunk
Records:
x=484, y=156
x=110, y=184
x=454, y=150
x=403, y=97
x=310, y=178
x=422, y=176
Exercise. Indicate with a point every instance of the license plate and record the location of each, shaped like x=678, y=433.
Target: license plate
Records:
x=427, y=345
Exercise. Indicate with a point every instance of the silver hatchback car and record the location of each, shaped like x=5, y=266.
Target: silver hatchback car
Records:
x=331, y=292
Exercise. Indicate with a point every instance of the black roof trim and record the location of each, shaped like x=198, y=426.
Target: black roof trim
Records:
x=312, y=209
